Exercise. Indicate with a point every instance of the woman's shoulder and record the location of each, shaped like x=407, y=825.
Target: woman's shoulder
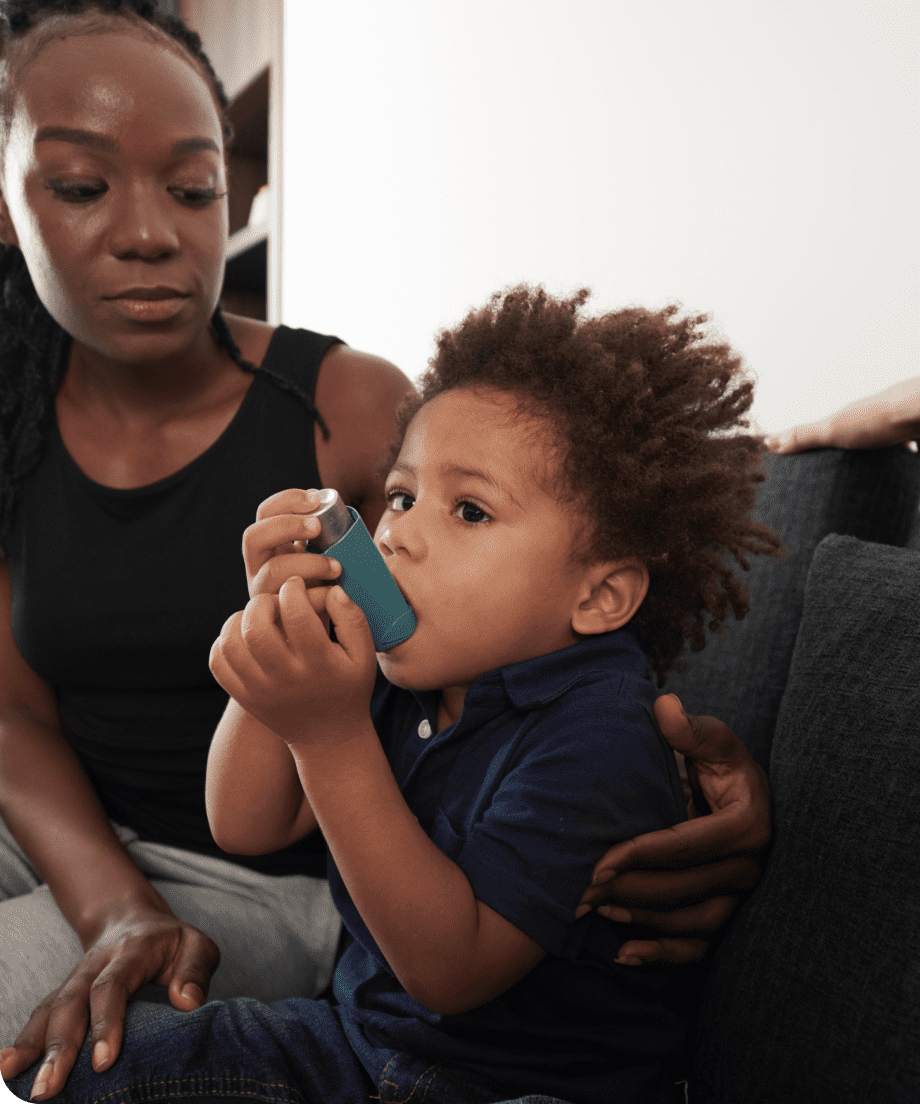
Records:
x=348, y=373
x=357, y=394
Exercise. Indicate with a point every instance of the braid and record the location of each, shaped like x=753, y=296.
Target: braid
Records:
x=225, y=340
x=32, y=344
x=32, y=347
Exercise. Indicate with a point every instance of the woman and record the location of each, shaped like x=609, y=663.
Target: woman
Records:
x=138, y=437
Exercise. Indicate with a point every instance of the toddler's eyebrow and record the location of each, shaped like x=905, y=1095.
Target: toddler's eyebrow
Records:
x=469, y=473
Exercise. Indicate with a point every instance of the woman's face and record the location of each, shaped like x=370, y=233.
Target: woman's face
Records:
x=114, y=188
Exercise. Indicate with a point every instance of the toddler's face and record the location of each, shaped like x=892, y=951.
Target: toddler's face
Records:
x=480, y=550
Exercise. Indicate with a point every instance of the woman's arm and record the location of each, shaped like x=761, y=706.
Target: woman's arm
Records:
x=127, y=930
x=891, y=417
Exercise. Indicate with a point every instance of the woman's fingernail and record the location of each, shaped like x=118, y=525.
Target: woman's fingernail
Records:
x=41, y=1081
x=192, y=992
x=602, y=876
x=612, y=912
x=581, y=911
x=100, y=1054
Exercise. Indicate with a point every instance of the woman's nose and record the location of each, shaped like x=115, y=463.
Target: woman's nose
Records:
x=143, y=226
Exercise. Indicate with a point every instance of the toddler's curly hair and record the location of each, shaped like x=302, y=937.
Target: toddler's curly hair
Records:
x=641, y=405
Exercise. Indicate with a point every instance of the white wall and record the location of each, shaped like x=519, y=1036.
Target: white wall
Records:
x=757, y=160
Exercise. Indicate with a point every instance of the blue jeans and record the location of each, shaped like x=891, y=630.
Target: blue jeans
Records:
x=291, y=1052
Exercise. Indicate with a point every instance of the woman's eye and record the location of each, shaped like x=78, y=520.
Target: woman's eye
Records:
x=471, y=513
x=72, y=191
x=197, y=197
x=400, y=501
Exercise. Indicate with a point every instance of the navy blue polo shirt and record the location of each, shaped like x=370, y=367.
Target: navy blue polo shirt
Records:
x=551, y=762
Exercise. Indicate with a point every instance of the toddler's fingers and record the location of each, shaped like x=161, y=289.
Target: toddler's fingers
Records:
x=262, y=636
x=292, y=501
x=263, y=538
x=313, y=569
x=351, y=628
x=230, y=660
x=300, y=620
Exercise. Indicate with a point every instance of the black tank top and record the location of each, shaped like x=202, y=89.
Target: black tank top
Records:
x=118, y=596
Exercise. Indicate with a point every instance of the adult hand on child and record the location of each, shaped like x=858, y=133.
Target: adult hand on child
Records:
x=277, y=661
x=686, y=881
x=140, y=945
x=889, y=418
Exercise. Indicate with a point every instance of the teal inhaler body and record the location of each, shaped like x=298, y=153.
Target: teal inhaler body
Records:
x=365, y=577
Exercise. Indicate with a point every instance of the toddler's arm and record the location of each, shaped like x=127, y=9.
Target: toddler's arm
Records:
x=254, y=798
x=450, y=951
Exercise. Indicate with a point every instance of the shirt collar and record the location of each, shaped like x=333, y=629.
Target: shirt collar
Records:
x=536, y=682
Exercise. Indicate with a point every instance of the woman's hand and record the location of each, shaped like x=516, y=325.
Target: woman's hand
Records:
x=891, y=417
x=142, y=945
x=277, y=661
x=686, y=881
x=273, y=547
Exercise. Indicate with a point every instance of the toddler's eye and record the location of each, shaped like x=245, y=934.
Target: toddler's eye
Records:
x=471, y=513
x=400, y=501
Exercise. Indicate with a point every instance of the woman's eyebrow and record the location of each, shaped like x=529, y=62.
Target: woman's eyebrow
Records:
x=77, y=138
x=194, y=145
x=102, y=142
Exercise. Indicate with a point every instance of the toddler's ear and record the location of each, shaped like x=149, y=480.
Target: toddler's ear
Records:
x=612, y=593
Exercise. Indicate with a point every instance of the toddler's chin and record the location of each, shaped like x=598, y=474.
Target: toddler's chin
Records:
x=398, y=669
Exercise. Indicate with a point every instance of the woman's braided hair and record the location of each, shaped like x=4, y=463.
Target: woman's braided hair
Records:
x=639, y=413
x=33, y=346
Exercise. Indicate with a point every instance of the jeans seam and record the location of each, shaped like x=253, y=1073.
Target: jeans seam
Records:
x=196, y=1087
x=395, y=1085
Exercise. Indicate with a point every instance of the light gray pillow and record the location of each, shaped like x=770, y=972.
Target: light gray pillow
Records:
x=814, y=994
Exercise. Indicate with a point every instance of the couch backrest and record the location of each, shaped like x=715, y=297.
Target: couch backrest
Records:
x=814, y=993
x=741, y=674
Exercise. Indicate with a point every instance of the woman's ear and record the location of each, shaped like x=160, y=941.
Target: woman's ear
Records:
x=7, y=230
x=614, y=590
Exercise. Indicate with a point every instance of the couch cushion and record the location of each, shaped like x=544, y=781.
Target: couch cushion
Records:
x=814, y=994
x=741, y=673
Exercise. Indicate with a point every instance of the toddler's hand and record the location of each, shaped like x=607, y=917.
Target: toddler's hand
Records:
x=276, y=659
x=273, y=547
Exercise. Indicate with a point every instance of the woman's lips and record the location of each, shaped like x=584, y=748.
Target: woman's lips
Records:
x=157, y=304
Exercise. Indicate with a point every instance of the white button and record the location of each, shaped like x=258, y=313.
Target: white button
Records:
x=424, y=729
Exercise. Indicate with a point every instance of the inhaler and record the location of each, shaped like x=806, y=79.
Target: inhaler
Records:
x=365, y=577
